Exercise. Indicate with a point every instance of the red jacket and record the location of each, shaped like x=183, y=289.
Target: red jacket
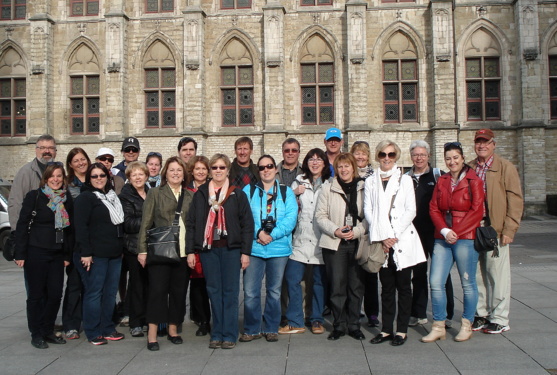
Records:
x=465, y=203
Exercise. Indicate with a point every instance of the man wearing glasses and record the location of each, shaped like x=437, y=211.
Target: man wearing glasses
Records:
x=290, y=165
x=504, y=204
x=29, y=176
x=130, y=151
x=333, y=146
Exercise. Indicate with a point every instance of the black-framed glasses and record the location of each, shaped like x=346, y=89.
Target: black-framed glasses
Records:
x=110, y=159
x=153, y=153
x=58, y=163
x=453, y=144
x=131, y=149
x=315, y=160
x=46, y=148
x=263, y=167
x=221, y=167
x=391, y=155
x=95, y=176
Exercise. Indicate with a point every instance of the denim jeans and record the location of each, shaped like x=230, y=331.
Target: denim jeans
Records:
x=294, y=274
x=100, y=285
x=221, y=267
x=466, y=258
x=273, y=270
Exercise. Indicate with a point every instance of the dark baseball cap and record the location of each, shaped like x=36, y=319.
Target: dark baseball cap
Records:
x=130, y=142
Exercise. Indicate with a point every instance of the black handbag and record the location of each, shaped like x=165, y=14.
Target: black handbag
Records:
x=9, y=246
x=486, y=236
x=163, y=243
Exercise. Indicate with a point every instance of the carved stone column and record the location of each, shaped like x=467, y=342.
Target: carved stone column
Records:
x=357, y=72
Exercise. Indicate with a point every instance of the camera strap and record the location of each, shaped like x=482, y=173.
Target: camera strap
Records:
x=270, y=200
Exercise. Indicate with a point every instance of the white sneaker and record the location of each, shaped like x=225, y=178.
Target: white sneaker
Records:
x=415, y=321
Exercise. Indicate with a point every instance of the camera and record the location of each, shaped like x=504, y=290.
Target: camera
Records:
x=268, y=224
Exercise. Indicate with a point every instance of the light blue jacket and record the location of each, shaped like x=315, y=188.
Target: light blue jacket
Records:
x=285, y=212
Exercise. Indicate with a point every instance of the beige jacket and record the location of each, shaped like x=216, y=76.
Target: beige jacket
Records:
x=504, y=196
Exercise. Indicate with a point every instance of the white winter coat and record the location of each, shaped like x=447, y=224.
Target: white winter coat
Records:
x=408, y=250
x=305, y=244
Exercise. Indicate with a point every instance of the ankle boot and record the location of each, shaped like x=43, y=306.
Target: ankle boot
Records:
x=437, y=332
x=465, y=332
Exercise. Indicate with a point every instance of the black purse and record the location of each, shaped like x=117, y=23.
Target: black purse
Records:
x=163, y=243
x=9, y=246
x=486, y=236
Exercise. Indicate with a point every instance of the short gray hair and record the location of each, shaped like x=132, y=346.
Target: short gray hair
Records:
x=420, y=143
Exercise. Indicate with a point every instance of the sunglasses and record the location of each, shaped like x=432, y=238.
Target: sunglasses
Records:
x=131, y=149
x=95, y=176
x=453, y=144
x=391, y=155
x=221, y=167
x=154, y=154
x=360, y=143
x=110, y=159
x=291, y=150
x=58, y=163
x=268, y=166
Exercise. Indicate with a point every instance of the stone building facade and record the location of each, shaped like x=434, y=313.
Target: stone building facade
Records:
x=93, y=72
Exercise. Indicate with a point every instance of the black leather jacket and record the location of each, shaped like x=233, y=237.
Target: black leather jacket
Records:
x=132, y=203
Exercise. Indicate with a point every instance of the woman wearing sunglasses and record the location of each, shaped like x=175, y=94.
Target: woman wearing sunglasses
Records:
x=220, y=229
x=456, y=209
x=99, y=219
x=390, y=207
x=340, y=218
x=43, y=248
x=274, y=209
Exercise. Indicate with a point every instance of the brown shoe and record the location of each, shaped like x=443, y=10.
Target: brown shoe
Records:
x=288, y=329
x=271, y=337
x=247, y=338
x=215, y=344
x=317, y=328
x=228, y=345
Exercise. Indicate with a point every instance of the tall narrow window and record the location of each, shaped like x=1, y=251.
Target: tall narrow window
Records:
x=12, y=9
x=84, y=7
x=317, y=82
x=483, y=77
x=400, y=80
x=235, y=4
x=236, y=85
x=553, y=85
x=160, y=87
x=13, y=107
x=159, y=6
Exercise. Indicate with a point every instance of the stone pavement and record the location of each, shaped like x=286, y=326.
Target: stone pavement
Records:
x=529, y=348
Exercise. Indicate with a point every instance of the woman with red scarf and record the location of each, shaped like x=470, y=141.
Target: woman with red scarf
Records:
x=220, y=227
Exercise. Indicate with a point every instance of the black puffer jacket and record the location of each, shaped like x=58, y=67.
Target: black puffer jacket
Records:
x=132, y=203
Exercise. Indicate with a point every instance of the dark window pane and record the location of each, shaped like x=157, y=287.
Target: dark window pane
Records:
x=324, y=2
x=152, y=5
x=229, y=97
x=309, y=115
x=474, y=111
x=308, y=95
x=93, y=7
x=492, y=89
x=6, y=14
x=229, y=117
x=408, y=70
x=20, y=89
x=325, y=115
x=245, y=76
x=152, y=99
x=5, y=88
x=553, y=87
x=492, y=110
x=77, y=9
x=169, y=118
x=228, y=76
x=153, y=119
x=554, y=109
x=391, y=92
x=169, y=99
x=6, y=108
x=92, y=85
x=77, y=86
x=491, y=67
x=308, y=73
x=308, y=2
x=77, y=106
x=77, y=124
x=390, y=71
x=326, y=94
x=409, y=91
x=244, y=3
x=168, y=78
x=227, y=4
x=474, y=90
x=6, y=127
x=325, y=73
x=553, y=65
x=20, y=108
x=167, y=5
x=20, y=126
x=20, y=12
x=472, y=68
x=391, y=112
x=20, y=1
x=246, y=116
x=409, y=112
x=151, y=78
x=246, y=97
x=92, y=106
x=93, y=125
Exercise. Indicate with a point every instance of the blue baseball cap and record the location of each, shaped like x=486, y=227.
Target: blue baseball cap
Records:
x=333, y=133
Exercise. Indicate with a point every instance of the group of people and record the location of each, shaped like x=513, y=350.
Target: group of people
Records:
x=298, y=225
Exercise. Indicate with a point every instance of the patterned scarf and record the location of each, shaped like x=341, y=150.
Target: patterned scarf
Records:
x=56, y=199
x=111, y=201
x=155, y=181
x=216, y=209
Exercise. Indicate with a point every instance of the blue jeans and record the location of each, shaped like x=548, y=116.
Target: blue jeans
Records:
x=273, y=270
x=466, y=258
x=100, y=285
x=294, y=274
x=221, y=267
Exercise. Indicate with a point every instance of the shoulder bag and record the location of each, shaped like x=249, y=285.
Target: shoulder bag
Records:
x=9, y=246
x=163, y=243
x=486, y=236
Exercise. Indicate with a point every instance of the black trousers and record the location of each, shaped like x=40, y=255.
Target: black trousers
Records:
x=395, y=282
x=345, y=277
x=200, y=309
x=44, y=274
x=72, y=304
x=137, y=290
x=420, y=287
x=168, y=285
x=371, y=294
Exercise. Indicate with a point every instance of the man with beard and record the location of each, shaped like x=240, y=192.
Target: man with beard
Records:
x=29, y=176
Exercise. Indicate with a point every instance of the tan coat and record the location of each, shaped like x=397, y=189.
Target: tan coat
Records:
x=504, y=196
